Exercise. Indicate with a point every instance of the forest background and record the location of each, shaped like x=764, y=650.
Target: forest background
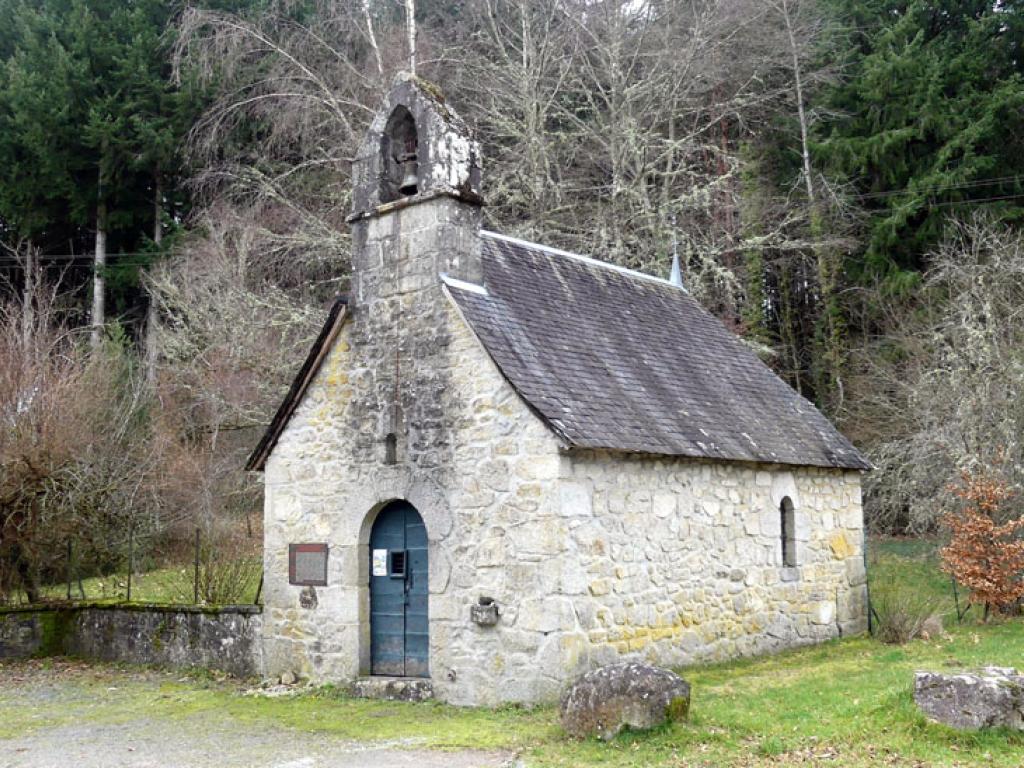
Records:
x=843, y=181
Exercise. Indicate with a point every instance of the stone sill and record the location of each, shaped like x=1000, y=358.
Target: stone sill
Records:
x=789, y=573
x=405, y=202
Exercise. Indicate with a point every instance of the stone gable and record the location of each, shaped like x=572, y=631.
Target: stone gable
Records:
x=492, y=525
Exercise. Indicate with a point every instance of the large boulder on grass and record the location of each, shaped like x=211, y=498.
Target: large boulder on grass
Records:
x=603, y=702
x=988, y=698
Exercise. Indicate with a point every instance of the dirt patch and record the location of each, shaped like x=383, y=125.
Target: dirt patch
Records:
x=61, y=713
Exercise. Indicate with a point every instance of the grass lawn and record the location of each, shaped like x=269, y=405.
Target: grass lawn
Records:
x=844, y=703
x=162, y=585
x=913, y=563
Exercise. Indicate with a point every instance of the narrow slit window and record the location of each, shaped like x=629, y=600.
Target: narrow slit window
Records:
x=788, y=517
x=391, y=448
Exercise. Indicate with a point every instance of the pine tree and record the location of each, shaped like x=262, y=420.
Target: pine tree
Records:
x=931, y=118
x=90, y=129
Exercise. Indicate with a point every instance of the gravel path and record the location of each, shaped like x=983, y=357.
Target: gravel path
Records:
x=54, y=701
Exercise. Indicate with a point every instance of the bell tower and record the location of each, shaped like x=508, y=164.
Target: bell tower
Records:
x=415, y=192
x=416, y=215
x=416, y=148
x=400, y=165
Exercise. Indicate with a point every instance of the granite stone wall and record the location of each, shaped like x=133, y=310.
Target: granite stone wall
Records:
x=225, y=639
x=25, y=633
x=683, y=558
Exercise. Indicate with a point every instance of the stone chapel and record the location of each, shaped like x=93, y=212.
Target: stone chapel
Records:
x=503, y=465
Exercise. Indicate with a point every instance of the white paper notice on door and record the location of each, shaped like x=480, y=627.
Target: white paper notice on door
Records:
x=380, y=562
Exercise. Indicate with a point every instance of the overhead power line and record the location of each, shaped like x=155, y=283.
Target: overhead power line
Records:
x=138, y=258
x=950, y=203
x=145, y=258
x=72, y=256
x=939, y=188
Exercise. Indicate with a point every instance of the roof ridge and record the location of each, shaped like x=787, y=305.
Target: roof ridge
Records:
x=580, y=257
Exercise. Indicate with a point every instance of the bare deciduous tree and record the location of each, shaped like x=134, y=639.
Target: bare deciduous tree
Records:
x=945, y=379
x=230, y=335
x=617, y=128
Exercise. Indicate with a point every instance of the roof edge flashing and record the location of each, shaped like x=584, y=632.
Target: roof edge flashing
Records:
x=462, y=285
x=336, y=317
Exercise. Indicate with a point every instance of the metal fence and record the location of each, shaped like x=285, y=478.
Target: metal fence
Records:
x=203, y=566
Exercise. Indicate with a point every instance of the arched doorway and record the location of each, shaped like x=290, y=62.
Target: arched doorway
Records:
x=399, y=629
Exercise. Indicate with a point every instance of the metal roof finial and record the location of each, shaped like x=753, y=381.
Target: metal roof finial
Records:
x=676, y=275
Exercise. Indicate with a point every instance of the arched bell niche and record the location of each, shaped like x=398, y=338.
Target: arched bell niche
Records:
x=400, y=157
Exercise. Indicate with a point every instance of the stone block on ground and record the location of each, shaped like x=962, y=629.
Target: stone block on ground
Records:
x=639, y=696
x=393, y=688
x=987, y=698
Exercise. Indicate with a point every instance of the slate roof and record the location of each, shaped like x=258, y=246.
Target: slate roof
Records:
x=618, y=360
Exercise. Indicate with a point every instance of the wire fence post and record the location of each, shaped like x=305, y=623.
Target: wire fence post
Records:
x=195, y=579
x=69, y=570
x=131, y=557
x=956, y=600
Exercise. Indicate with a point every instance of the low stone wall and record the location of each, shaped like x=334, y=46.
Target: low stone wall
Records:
x=28, y=632
x=226, y=638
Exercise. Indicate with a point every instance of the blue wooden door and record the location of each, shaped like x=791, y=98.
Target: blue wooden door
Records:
x=399, y=637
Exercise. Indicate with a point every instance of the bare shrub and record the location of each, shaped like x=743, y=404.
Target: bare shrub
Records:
x=230, y=567
x=76, y=456
x=903, y=613
x=230, y=571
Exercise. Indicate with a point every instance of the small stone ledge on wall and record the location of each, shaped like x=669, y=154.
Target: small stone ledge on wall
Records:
x=225, y=638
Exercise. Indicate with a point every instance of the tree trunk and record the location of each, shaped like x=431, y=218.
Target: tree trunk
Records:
x=787, y=325
x=158, y=210
x=28, y=309
x=410, y=28
x=158, y=236
x=829, y=334
x=98, y=281
x=372, y=37
x=801, y=113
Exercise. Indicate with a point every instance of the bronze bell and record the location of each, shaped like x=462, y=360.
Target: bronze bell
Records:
x=410, y=176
